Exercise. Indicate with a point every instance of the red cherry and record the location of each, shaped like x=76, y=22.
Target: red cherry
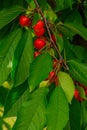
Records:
x=77, y=96
x=39, y=43
x=24, y=21
x=36, y=53
x=86, y=91
x=55, y=62
x=76, y=93
x=39, y=25
x=53, y=37
x=51, y=75
x=39, y=32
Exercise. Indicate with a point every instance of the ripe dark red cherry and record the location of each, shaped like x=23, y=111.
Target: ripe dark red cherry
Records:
x=53, y=37
x=76, y=93
x=24, y=21
x=51, y=75
x=86, y=91
x=77, y=96
x=39, y=43
x=55, y=62
x=36, y=53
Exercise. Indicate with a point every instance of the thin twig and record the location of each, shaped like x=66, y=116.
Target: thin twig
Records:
x=49, y=33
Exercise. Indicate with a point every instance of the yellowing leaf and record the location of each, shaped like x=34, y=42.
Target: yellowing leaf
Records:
x=67, y=84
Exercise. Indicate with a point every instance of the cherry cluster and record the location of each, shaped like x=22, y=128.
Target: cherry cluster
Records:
x=40, y=43
x=39, y=31
x=77, y=93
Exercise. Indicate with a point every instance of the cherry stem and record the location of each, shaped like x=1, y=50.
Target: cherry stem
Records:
x=49, y=33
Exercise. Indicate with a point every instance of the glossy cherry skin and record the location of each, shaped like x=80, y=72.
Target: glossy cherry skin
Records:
x=39, y=32
x=39, y=25
x=39, y=29
x=39, y=43
x=51, y=75
x=24, y=21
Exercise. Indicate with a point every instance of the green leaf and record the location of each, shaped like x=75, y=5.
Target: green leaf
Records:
x=57, y=110
x=22, y=58
x=32, y=113
x=75, y=51
x=60, y=42
x=39, y=69
x=8, y=15
x=84, y=114
x=15, y=99
x=74, y=17
x=69, y=3
x=67, y=84
x=41, y=4
x=78, y=71
x=80, y=53
x=59, y=5
x=67, y=127
x=59, y=39
x=77, y=28
x=32, y=3
x=3, y=94
x=4, y=31
x=75, y=115
x=69, y=50
x=63, y=4
x=51, y=52
x=85, y=14
x=49, y=13
x=7, y=48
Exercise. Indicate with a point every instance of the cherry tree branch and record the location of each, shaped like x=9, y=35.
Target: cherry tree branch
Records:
x=49, y=33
